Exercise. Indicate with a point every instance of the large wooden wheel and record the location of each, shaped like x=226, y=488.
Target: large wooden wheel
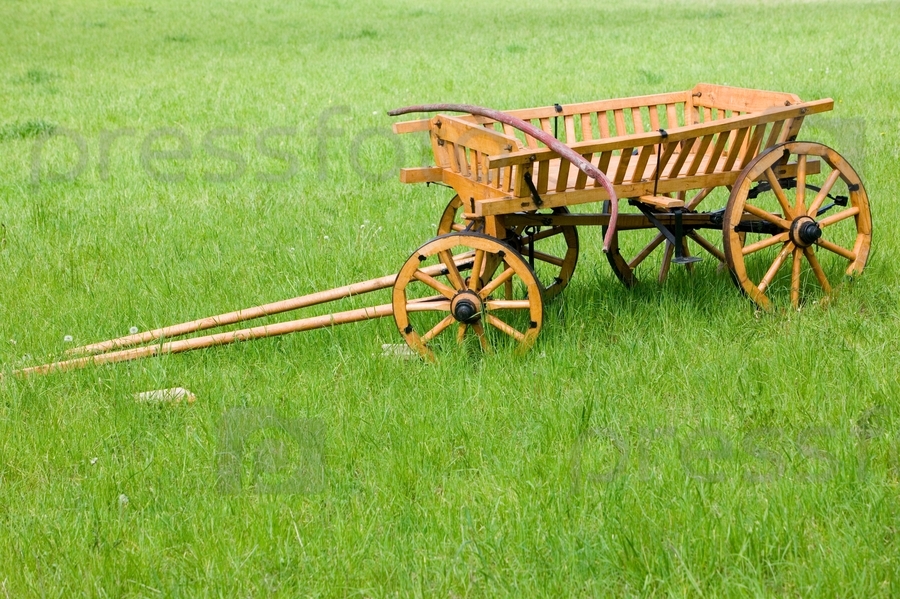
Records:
x=501, y=306
x=655, y=253
x=551, y=251
x=796, y=238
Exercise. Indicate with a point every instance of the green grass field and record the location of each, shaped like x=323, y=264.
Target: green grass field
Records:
x=666, y=440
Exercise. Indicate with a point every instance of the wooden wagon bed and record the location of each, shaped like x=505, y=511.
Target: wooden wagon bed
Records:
x=647, y=146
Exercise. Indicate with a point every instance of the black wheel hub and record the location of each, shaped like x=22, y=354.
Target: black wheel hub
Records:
x=466, y=307
x=805, y=231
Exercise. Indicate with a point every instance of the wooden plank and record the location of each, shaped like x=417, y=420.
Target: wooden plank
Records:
x=598, y=105
x=662, y=202
x=735, y=147
x=422, y=174
x=510, y=205
x=411, y=126
x=603, y=165
x=677, y=134
x=740, y=99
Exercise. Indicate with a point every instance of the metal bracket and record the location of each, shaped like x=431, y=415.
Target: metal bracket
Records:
x=676, y=238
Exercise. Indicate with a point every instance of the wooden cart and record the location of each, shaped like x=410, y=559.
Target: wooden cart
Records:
x=796, y=218
x=791, y=204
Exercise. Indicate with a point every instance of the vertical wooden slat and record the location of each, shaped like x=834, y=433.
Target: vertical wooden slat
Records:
x=587, y=130
x=581, y=179
x=720, y=114
x=774, y=134
x=450, y=148
x=643, y=158
x=668, y=150
x=753, y=145
x=671, y=116
x=624, y=160
x=686, y=146
x=462, y=158
x=717, y=152
x=545, y=126
x=654, y=117
x=619, y=118
x=707, y=114
x=562, y=176
x=603, y=122
x=570, y=129
x=603, y=164
x=698, y=156
x=543, y=176
x=734, y=148
x=637, y=120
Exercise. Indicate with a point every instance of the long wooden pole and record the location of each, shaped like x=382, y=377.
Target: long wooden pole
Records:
x=182, y=345
x=209, y=322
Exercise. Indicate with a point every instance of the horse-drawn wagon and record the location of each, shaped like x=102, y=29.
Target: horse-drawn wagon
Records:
x=796, y=218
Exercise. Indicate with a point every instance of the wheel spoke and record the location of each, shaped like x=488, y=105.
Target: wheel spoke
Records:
x=461, y=332
x=764, y=243
x=438, y=306
x=701, y=195
x=799, y=207
x=508, y=304
x=434, y=284
x=840, y=251
x=493, y=285
x=438, y=328
x=817, y=269
x=505, y=328
x=779, y=193
x=482, y=338
x=547, y=258
x=795, y=278
x=666, y=262
x=452, y=272
x=475, y=278
x=823, y=193
x=457, y=227
x=768, y=216
x=648, y=249
x=776, y=264
x=707, y=245
x=842, y=215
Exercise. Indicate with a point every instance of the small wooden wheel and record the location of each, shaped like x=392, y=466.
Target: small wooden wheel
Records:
x=818, y=223
x=501, y=306
x=658, y=248
x=551, y=251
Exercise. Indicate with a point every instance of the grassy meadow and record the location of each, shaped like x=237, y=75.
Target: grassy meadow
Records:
x=162, y=162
